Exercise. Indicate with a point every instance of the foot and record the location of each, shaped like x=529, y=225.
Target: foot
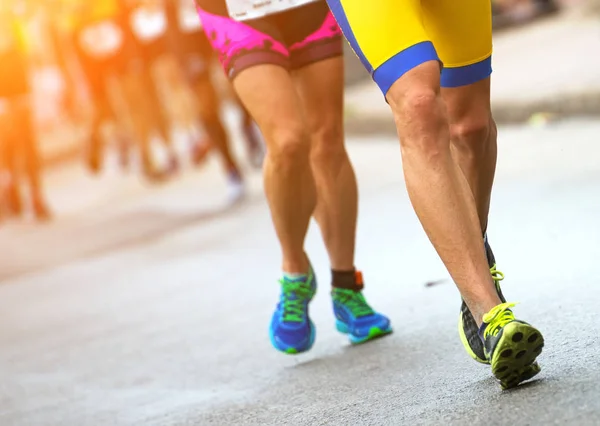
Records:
x=199, y=152
x=511, y=346
x=94, y=156
x=291, y=330
x=173, y=165
x=467, y=327
x=41, y=210
x=355, y=317
x=156, y=176
x=14, y=203
x=236, y=189
x=124, y=145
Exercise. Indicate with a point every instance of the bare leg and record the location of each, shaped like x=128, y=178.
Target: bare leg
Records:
x=157, y=114
x=321, y=90
x=473, y=134
x=437, y=188
x=9, y=145
x=33, y=167
x=289, y=182
x=209, y=108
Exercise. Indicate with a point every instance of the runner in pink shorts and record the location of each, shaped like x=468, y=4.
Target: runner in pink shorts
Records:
x=285, y=60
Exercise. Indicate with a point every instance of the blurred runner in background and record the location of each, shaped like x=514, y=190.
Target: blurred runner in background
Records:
x=195, y=58
x=148, y=26
x=103, y=48
x=18, y=144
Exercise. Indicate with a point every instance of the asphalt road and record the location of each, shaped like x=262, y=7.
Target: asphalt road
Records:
x=142, y=306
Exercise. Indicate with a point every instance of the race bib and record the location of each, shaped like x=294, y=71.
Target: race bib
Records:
x=189, y=21
x=101, y=39
x=242, y=10
x=147, y=24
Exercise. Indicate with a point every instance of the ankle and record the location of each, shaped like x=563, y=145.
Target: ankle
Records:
x=348, y=280
x=482, y=309
x=296, y=265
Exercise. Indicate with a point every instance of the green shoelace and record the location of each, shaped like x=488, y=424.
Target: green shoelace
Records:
x=294, y=296
x=354, y=301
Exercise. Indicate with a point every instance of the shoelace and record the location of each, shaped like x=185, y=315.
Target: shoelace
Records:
x=355, y=301
x=294, y=296
x=497, y=318
x=497, y=276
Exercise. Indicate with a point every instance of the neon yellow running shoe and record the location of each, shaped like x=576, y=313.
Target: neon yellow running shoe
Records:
x=510, y=346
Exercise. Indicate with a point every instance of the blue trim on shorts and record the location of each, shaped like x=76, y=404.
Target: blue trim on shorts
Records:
x=402, y=62
x=463, y=76
x=340, y=16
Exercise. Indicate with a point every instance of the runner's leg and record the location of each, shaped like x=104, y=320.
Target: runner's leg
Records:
x=320, y=82
x=407, y=69
x=209, y=108
x=288, y=178
x=473, y=135
x=321, y=90
x=466, y=53
x=265, y=86
x=406, y=66
x=33, y=167
x=472, y=129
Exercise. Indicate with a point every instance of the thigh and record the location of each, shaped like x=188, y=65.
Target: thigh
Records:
x=462, y=34
x=387, y=35
x=13, y=74
x=94, y=71
x=469, y=109
x=207, y=98
x=26, y=133
x=269, y=94
x=321, y=88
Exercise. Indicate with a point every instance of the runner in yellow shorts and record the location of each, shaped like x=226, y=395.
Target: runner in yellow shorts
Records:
x=432, y=61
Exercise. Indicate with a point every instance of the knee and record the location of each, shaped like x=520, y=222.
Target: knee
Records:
x=289, y=147
x=473, y=134
x=421, y=121
x=328, y=145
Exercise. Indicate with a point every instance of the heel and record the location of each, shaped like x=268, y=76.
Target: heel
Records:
x=341, y=327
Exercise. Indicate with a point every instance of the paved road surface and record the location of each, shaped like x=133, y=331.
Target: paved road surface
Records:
x=149, y=307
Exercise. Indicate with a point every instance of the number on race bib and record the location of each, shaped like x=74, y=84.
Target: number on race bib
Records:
x=243, y=10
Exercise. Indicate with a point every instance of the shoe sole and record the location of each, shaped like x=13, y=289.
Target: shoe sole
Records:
x=374, y=333
x=465, y=341
x=513, y=361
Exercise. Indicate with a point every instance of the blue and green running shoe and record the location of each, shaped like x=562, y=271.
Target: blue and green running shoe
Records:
x=355, y=317
x=291, y=329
